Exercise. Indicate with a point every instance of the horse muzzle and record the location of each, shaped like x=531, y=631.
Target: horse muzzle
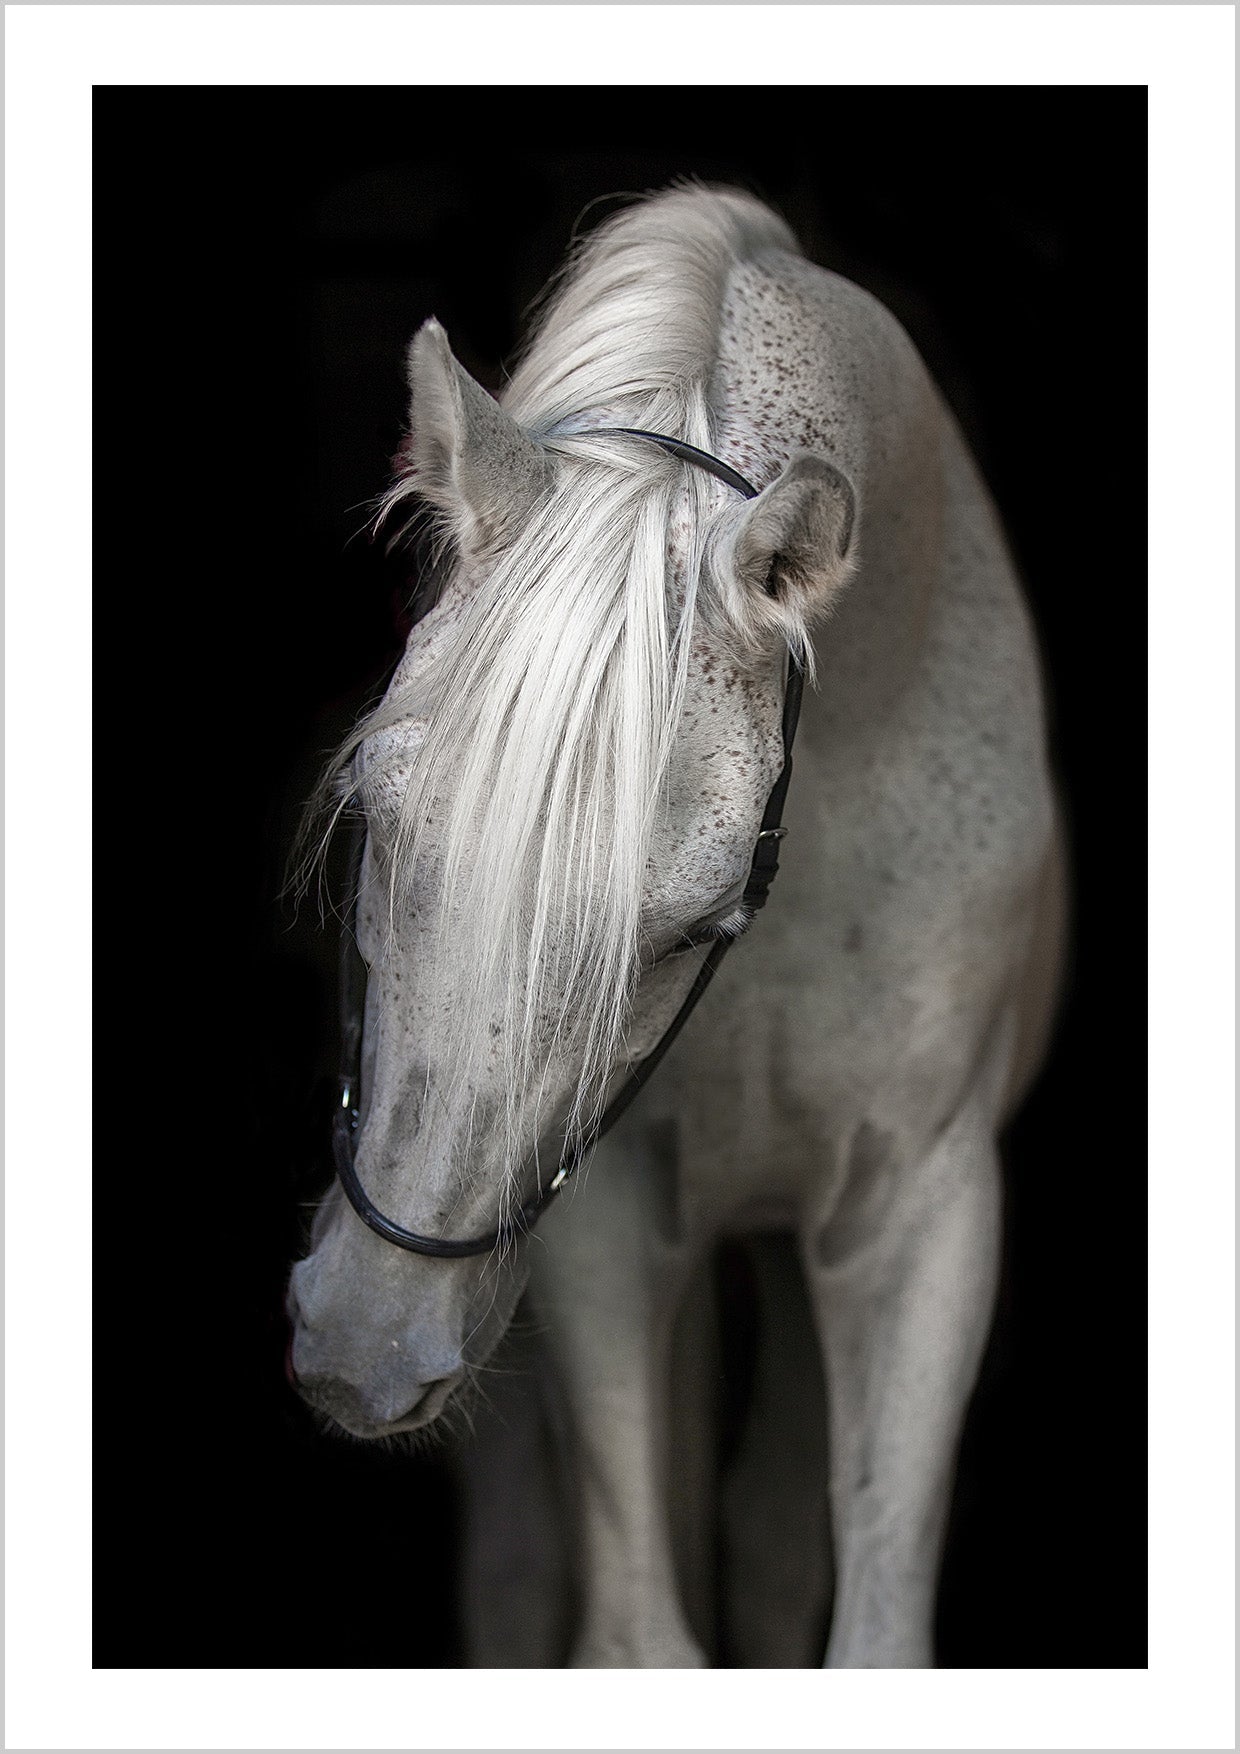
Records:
x=386, y=1389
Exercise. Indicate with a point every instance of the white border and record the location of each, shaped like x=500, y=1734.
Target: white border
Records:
x=615, y=44
x=1185, y=55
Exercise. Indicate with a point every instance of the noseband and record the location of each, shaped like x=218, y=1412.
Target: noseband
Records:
x=762, y=871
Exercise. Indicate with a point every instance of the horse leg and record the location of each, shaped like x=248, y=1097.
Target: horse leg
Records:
x=693, y=1485
x=775, y=1562
x=902, y=1278
x=514, y=1560
x=606, y=1278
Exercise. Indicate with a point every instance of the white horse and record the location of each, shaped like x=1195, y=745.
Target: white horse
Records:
x=563, y=789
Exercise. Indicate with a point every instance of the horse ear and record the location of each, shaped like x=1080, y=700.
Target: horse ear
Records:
x=467, y=456
x=790, y=550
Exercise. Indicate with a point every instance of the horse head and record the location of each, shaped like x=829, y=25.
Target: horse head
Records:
x=561, y=792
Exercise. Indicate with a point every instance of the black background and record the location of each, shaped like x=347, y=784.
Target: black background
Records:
x=262, y=257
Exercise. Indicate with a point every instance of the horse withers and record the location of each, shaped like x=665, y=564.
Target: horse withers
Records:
x=562, y=792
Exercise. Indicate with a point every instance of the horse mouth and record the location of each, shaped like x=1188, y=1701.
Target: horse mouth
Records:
x=347, y=1420
x=428, y=1408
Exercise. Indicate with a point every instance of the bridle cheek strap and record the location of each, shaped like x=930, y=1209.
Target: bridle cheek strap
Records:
x=764, y=865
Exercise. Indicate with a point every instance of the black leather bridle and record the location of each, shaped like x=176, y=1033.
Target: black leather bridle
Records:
x=762, y=871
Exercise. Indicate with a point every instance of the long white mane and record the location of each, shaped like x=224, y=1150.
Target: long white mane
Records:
x=554, y=710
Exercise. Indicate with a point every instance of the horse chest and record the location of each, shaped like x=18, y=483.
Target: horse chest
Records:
x=858, y=1009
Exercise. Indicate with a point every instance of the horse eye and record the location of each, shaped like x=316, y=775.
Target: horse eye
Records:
x=729, y=924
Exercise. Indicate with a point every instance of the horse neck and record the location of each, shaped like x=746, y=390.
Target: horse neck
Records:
x=808, y=361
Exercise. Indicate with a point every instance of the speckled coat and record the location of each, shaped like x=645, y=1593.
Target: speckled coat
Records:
x=849, y=1071
x=858, y=1053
